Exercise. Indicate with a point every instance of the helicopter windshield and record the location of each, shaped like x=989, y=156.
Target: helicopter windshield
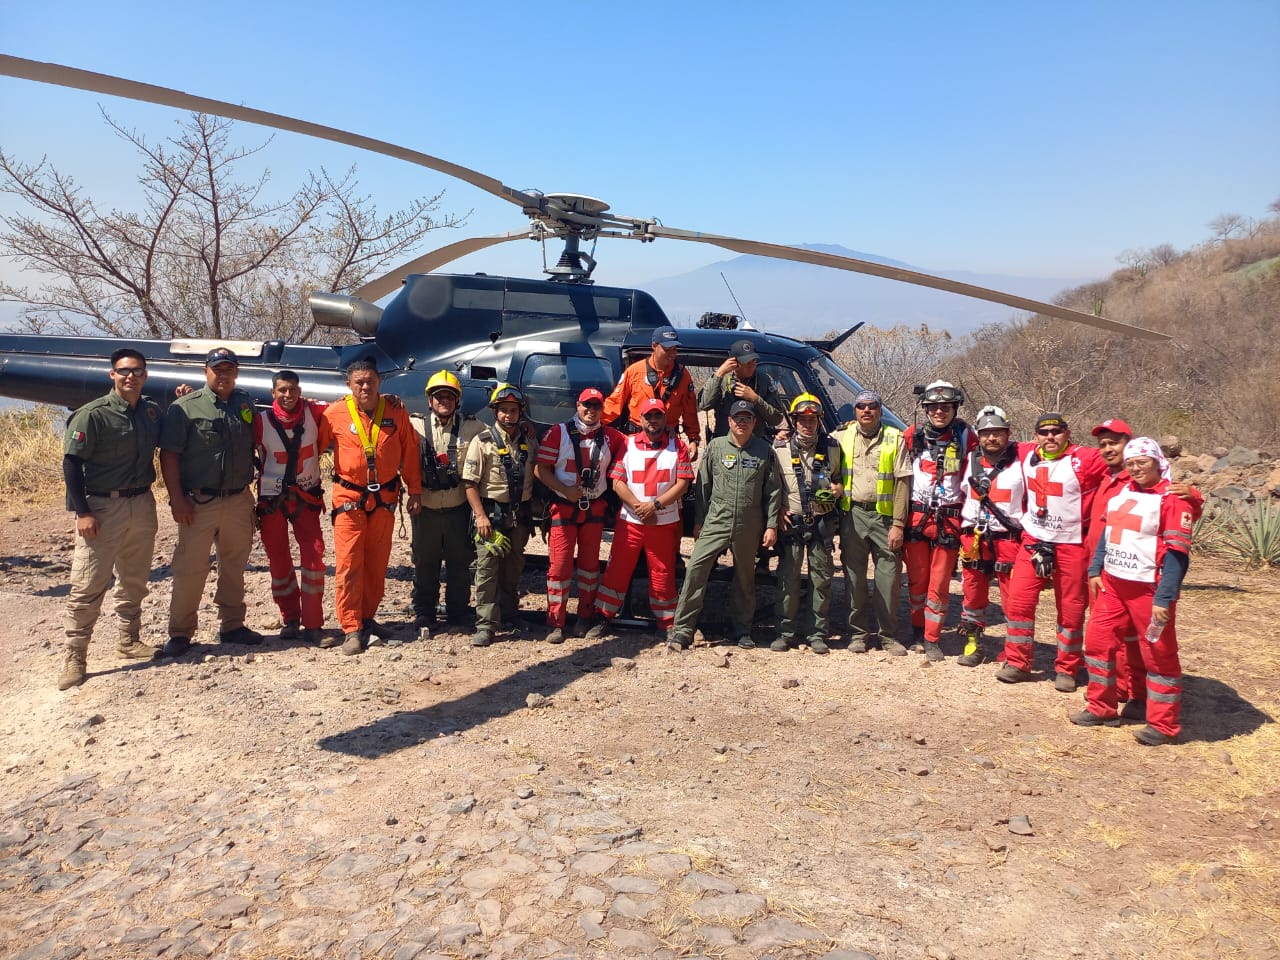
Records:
x=842, y=389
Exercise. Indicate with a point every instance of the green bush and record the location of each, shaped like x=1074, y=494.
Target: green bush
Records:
x=1251, y=535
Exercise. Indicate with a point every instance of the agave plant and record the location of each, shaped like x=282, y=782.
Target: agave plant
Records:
x=1252, y=535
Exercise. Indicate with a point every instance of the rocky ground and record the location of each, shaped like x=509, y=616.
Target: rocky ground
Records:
x=602, y=799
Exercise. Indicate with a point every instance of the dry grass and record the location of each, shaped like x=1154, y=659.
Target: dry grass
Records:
x=31, y=455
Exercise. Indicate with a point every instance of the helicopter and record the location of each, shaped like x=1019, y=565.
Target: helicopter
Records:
x=552, y=337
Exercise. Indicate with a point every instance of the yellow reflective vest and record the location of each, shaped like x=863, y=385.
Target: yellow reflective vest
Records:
x=890, y=438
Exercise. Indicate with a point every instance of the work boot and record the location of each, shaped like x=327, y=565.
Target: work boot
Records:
x=972, y=655
x=175, y=647
x=329, y=640
x=291, y=630
x=482, y=637
x=1149, y=736
x=857, y=646
x=678, y=641
x=933, y=652
x=353, y=645
x=746, y=643
x=128, y=648
x=1134, y=710
x=1011, y=674
x=894, y=648
x=375, y=632
x=241, y=635
x=74, y=670
x=555, y=636
x=779, y=646
x=1064, y=683
x=314, y=635
x=818, y=645
x=1087, y=718
x=594, y=628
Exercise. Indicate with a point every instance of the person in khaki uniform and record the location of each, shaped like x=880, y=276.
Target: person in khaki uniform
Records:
x=440, y=532
x=108, y=464
x=809, y=468
x=876, y=471
x=498, y=478
x=206, y=459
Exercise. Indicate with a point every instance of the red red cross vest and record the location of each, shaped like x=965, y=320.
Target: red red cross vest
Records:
x=650, y=473
x=274, y=456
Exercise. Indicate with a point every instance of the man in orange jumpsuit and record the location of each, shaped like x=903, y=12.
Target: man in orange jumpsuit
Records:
x=375, y=456
x=659, y=375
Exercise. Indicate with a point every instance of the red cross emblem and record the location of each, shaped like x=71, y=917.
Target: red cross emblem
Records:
x=303, y=454
x=650, y=476
x=1042, y=488
x=995, y=494
x=1122, y=519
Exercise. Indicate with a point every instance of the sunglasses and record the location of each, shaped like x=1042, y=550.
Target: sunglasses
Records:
x=1050, y=432
x=129, y=371
x=744, y=418
x=930, y=407
x=866, y=406
x=595, y=404
x=655, y=415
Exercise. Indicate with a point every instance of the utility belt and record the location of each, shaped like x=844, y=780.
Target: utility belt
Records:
x=372, y=498
x=126, y=493
x=584, y=511
x=506, y=516
x=946, y=524
x=819, y=528
x=864, y=507
x=292, y=502
x=212, y=493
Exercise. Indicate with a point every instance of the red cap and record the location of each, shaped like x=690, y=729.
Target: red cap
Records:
x=652, y=404
x=1114, y=425
x=591, y=393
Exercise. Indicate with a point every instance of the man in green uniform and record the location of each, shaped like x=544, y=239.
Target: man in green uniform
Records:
x=498, y=478
x=108, y=464
x=440, y=529
x=738, y=379
x=206, y=459
x=739, y=500
x=809, y=468
x=873, y=515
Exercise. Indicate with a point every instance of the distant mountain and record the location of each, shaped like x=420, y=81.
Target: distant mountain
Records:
x=800, y=298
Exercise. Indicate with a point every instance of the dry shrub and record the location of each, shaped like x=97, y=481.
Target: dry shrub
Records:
x=31, y=456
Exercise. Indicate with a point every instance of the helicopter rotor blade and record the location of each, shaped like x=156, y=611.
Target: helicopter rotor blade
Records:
x=64, y=76
x=390, y=281
x=782, y=252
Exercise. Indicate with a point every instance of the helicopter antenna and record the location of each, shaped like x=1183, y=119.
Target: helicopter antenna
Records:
x=742, y=313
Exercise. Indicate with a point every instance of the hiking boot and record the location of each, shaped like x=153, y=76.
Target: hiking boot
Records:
x=819, y=646
x=74, y=671
x=241, y=635
x=595, y=628
x=894, y=648
x=1149, y=736
x=970, y=659
x=1012, y=674
x=353, y=644
x=130, y=649
x=330, y=640
x=375, y=632
x=933, y=652
x=482, y=637
x=746, y=643
x=1134, y=710
x=678, y=642
x=1064, y=683
x=291, y=630
x=555, y=636
x=857, y=646
x=175, y=647
x=315, y=635
x=1087, y=718
x=779, y=646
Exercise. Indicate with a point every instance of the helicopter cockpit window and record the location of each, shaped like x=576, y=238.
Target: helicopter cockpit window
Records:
x=842, y=389
x=551, y=384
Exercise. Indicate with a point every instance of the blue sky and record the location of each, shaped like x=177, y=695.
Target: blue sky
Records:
x=1018, y=138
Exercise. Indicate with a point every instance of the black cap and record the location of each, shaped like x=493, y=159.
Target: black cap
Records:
x=744, y=351
x=1052, y=420
x=742, y=406
x=221, y=355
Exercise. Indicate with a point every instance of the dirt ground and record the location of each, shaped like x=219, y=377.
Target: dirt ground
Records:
x=865, y=798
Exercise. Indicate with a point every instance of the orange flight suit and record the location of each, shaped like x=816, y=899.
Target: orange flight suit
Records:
x=634, y=388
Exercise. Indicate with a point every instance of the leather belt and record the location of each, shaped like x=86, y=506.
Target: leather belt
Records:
x=123, y=494
x=214, y=492
x=868, y=507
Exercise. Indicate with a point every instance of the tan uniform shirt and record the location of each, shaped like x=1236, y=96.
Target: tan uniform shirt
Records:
x=444, y=445
x=866, y=463
x=830, y=470
x=483, y=468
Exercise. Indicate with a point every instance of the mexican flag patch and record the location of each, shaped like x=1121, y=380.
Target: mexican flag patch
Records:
x=78, y=436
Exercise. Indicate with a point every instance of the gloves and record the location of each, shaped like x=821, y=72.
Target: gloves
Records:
x=824, y=496
x=1042, y=559
x=498, y=544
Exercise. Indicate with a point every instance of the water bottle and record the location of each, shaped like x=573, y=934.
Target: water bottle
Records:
x=1154, y=630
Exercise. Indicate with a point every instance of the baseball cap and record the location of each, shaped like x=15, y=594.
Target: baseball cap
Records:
x=666, y=336
x=742, y=406
x=652, y=404
x=221, y=355
x=1052, y=420
x=744, y=351
x=1113, y=425
x=591, y=393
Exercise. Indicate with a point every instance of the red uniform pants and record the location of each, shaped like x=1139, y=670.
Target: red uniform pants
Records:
x=929, y=570
x=977, y=583
x=361, y=549
x=1124, y=653
x=661, y=546
x=1121, y=614
x=572, y=529
x=306, y=605
x=1071, y=592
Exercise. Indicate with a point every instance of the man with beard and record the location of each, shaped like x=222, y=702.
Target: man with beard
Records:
x=739, y=379
x=440, y=530
x=1061, y=480
x=809, y=468
x=939, y=453
x=659, y=375
x=650, y=477
x=573, y=462
x=739, y=500
x=289, y=437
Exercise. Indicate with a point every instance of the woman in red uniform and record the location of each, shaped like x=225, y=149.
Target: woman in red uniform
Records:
x=1135, y=577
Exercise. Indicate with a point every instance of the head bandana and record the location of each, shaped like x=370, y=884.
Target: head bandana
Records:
x=1146, y=447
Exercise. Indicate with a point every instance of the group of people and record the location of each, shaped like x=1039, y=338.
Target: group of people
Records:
x=1103, y=526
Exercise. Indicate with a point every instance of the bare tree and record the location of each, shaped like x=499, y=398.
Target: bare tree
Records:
x=1228, y=225
x=208, y=255
x=893, y=361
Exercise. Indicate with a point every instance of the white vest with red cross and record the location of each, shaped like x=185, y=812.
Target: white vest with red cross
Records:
x=649, y=474
x=1007, y=492
x=1055, y=501
x=560, y=440
x=1132, y=536
x=275, y=457
x=938, y=484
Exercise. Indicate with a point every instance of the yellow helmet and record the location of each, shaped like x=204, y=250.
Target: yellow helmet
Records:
x=444, y=380
x=806, y=403
x=505, y=391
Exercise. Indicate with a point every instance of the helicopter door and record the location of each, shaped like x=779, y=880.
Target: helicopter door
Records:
x=551, y=384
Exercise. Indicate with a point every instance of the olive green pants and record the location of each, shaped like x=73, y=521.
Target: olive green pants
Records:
x=864, y=534
x=743, y=541
x=814, y=621
x=498, y=580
